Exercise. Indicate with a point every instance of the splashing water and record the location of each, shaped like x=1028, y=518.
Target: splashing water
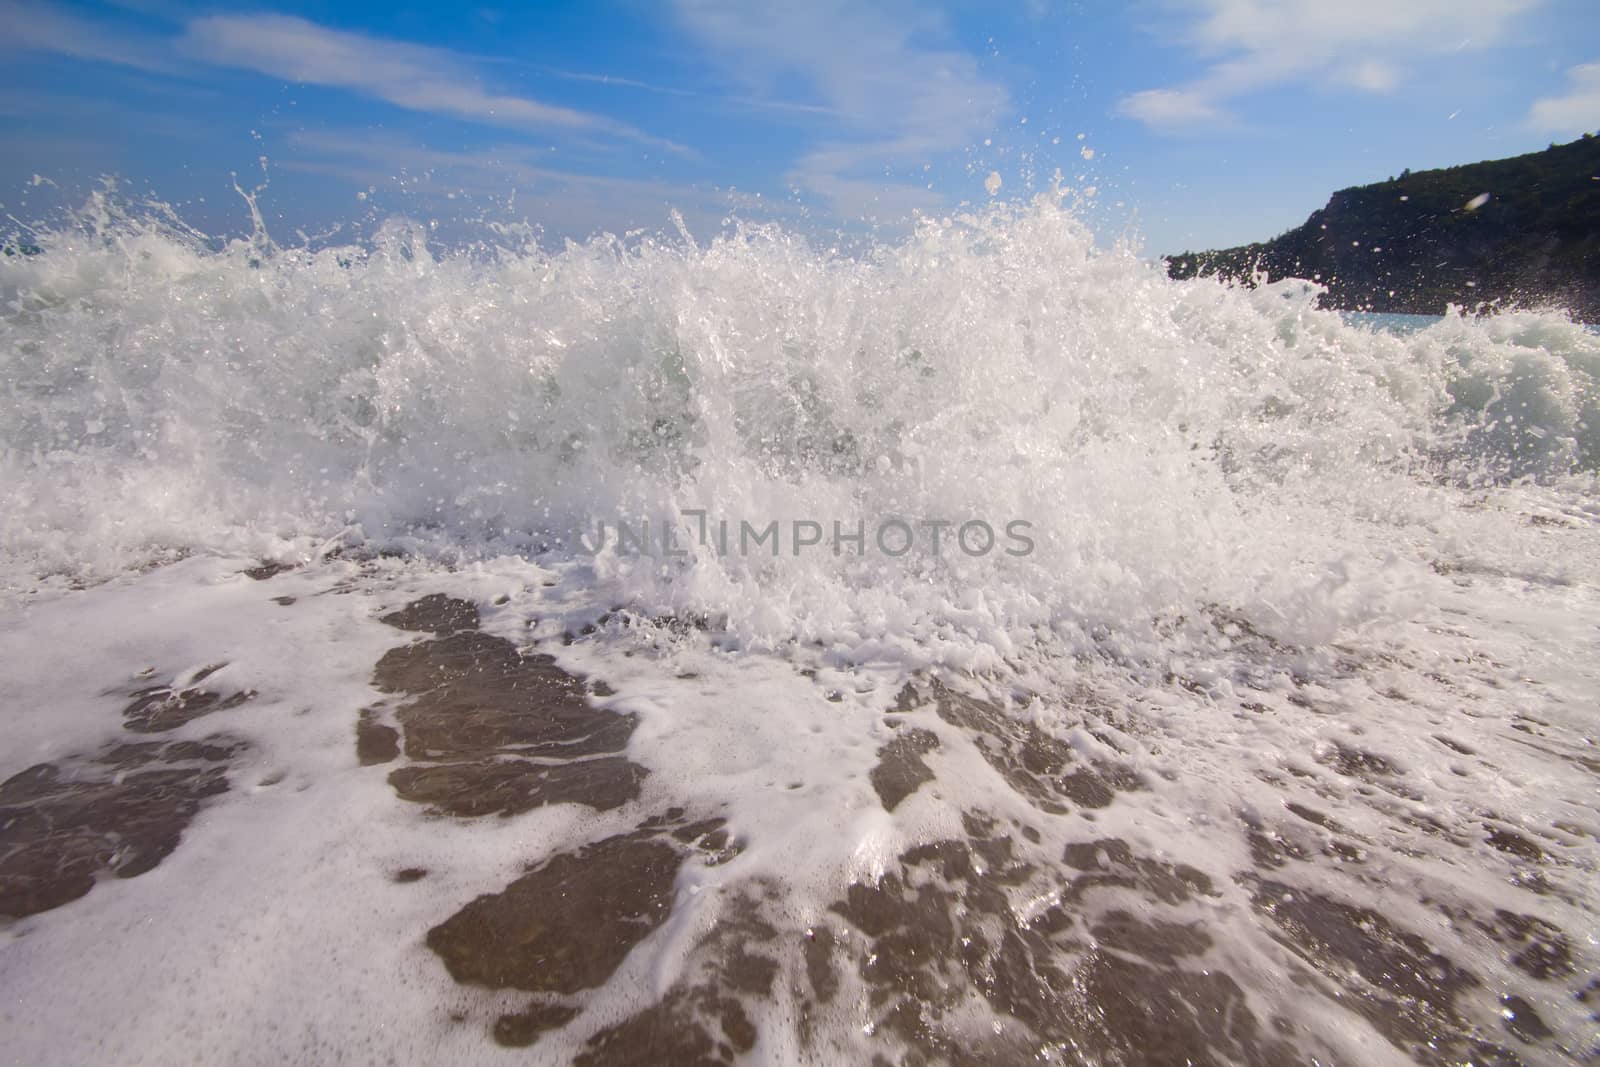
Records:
x=1277, y=745
x=1174, y=447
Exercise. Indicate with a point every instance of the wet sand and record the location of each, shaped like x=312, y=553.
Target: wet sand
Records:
x=1019, y=940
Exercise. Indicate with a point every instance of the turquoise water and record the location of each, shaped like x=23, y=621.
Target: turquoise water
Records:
x=1403, y=325
x=1390, y=322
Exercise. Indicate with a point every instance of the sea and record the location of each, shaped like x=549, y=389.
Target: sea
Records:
x=968, y=646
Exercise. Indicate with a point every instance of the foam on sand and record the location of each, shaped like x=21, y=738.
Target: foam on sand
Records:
x=1280, y=743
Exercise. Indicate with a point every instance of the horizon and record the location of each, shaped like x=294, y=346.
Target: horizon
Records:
x=1190, y=126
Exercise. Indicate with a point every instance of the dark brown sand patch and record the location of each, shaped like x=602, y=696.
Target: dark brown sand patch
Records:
x=435, y=614
x=1042, y=768
x=1370, y=768
x=216, y=749
x=476, y=694
x=675, y=1031
x=940, y=929
x=1356, y=763
x=1110, y=862
x=376, y=742
x=157, y=709
x=489, y=730
x=523, y=1028
x=1270, y=849
x=1154, y=940
x=513, y=786
x=1392, y=977
x=267, y=570
x=706, y=1017
x=1523, y=1021
x=1590, y=995
x=1537, y=948
x=1133, y=1014
x=64, y=826
x=568, y=923
x=900, y=770
x=1512, y=843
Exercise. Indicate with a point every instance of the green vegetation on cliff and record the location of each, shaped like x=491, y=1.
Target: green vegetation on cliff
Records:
x=1523, y=231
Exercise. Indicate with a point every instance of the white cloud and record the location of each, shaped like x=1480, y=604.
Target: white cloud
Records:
x=517, y=176
x=1576, y=112
x=1374, y=77
x=1169, y=108
x=37, y=28
x=868, y=198
x=903, y=100
x=1365, y=44
x=747, y=103
x=414, y=77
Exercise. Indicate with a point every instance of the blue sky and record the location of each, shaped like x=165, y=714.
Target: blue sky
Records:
x=1191, y=123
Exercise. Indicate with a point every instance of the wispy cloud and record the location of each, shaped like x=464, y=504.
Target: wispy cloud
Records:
x=901, y=102
x=572, y=203
x=38, y=28
x=69, y=111
x=1171, y=108
x=749, y=103
x=414, y=77
x=1362, y=44
x=1575, y=112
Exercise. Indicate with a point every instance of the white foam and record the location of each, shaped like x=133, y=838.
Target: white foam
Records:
x=1171, y=444
x=1205, y=469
